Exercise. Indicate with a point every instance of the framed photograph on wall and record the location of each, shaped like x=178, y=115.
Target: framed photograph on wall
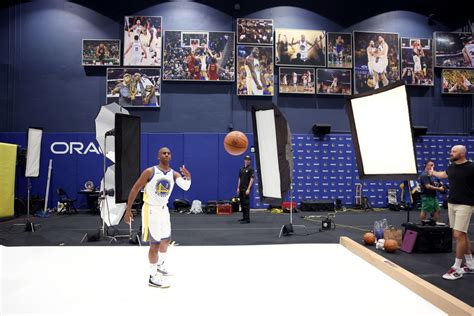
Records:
x=457, y=81
x=300, y=47
x=454, y=50
x=100, y=52
x=339, y=47
x=142, y=41
x=334, y=81
x=296, y=80
x=376, y=60
x=134, y=87
x=255, y=31
x=255, y=70
x=199, y=55
x=417, y=61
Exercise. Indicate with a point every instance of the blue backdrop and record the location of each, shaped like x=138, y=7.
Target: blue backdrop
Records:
x=324, y=168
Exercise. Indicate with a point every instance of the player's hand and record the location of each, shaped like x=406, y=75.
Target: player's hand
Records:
x=238, y=191
x=259, y=87
x=128, y=217
x=185, y=172
x=247, y=192
x=441, y=189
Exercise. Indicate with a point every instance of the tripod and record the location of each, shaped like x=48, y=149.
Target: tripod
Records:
x=287, y=229
x=29, y=225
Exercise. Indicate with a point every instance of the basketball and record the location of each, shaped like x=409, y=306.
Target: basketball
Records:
x=236, y=143
x=390, y=245
x=369, y=238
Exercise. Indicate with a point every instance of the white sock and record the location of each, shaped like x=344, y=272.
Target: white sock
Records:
x=161, y=258
x=469, y=259
x=457, y=263
x=153, y=271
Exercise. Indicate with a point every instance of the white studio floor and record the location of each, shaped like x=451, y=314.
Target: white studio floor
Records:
x=301, y=279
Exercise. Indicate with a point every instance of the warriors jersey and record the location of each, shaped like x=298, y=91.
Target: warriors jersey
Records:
x=159, y=187
x=251, y=84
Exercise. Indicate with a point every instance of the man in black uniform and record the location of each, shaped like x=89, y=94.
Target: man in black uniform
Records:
x=460, y=174
x=243, y=189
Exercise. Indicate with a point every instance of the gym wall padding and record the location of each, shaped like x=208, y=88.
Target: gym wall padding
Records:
x=7, y=179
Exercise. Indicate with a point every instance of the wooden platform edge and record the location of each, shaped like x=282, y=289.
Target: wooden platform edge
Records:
x=439, y=298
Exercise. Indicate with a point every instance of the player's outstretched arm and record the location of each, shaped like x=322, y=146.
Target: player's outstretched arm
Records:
x=183, y=183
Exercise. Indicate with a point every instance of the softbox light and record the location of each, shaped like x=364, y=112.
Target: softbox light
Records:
x=105, y=123
x=382, y=135
x=110, y=211
x=33, y=152
x=272, y=142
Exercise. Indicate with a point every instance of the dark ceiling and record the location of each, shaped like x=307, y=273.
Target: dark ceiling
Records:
x=453, y=14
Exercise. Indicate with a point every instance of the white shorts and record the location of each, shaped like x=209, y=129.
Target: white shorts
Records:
x=459, y=216
x=156, y=223
x=380, y=66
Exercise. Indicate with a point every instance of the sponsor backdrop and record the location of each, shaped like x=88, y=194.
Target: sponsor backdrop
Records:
x=325, y=167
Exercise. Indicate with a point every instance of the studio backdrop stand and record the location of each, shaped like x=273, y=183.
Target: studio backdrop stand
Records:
x=29, y=225
x=287, y=229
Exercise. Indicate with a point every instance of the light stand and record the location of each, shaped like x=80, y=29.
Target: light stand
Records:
x=287, y=229
x=29, y=225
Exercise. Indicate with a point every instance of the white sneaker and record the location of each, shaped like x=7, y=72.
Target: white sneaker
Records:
x=157, y=281
x=467, y=269
x=453, y=274
x=163, y=269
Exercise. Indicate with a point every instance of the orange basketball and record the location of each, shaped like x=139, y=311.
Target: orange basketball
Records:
x=236, y=143
x=390, y=245
x=369, y=238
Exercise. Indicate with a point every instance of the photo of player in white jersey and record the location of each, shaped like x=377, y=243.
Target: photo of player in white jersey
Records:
x=454, y=50
x=333, y=81
x=300, y=47
x=417, y=61
x=255, y=70
x=296, y=80
x=142, y=41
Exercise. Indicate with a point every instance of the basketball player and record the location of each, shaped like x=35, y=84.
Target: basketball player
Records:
x=137, y=51
x=303, y=47
x=253, y=73
x=156, y=225
x=468, y=53
x=407, y=75
x=212, y=69
x=381, y=61
x=191, y=61
x=333, y=87
x=339, y=49
x=146, y=89
x=460, y=174
x=284, y=82
x=294, y=80
x=371, y=49
x=101, y=52
x=123, y=89
x=282, y=47
x=137, y=28
x=310, y=82
x=418, y=53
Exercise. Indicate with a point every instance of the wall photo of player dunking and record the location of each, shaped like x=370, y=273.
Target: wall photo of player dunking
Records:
x=376, y=60
x=417, y=61
x=255, y=31
x=142, y=41
x=339, y=50
x=296, y=80
x=454, y=50
x=457, y=81
x=97, y=52
x=300, y=47
x=334, y=81
x=134, y=86
x=255, y=70
x=199, y=56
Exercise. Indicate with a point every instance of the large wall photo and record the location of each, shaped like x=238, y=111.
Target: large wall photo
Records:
x=255, y=70
x=417, y=61
x=142, y=41
x=197, y=55
x=376, y=60
x=454, y=50
x=300, y=47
